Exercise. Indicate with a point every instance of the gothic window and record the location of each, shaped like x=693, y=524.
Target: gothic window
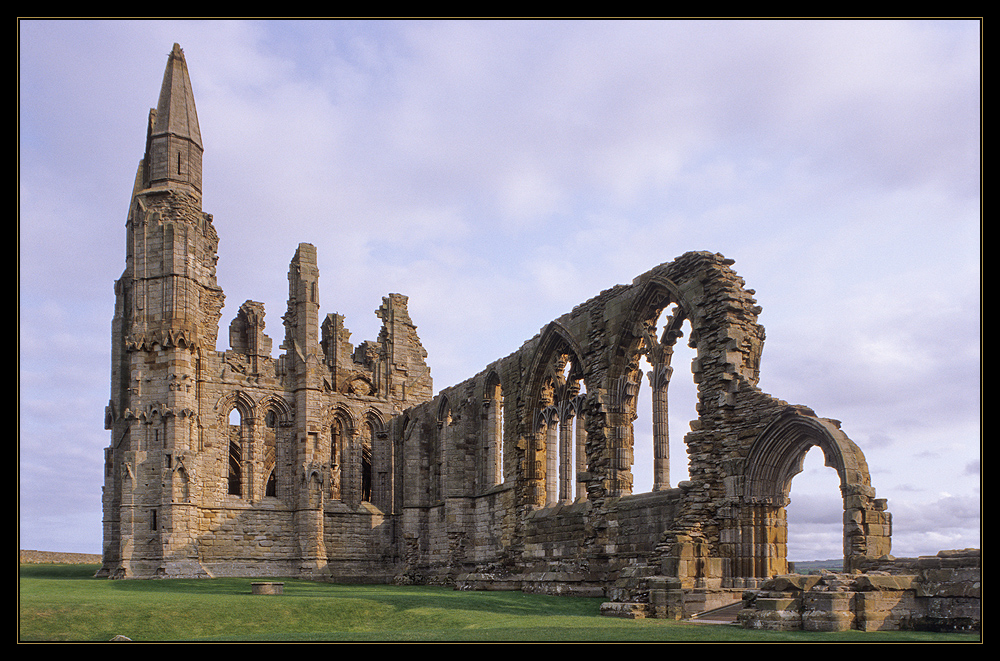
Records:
x=235, y=454
x=652, y=445
x=338, y=436
x=561, y=430
x=270, y=453
x=492, y=464
x=366, y=472
x=438, y=451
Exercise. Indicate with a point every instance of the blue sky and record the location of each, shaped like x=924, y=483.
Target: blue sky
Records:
x=499, y=173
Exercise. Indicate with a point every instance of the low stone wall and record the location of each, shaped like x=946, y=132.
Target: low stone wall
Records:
x=46, y=557
x=936, y=593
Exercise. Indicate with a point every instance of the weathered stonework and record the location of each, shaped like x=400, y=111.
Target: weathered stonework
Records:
x=338, y=461
x=932, y=593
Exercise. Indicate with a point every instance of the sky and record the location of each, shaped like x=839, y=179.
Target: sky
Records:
x=499, y=173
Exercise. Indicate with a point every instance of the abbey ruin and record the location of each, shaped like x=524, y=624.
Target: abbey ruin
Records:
x=337, y=461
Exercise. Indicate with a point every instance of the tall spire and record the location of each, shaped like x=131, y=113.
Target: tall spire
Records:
x=173, y=142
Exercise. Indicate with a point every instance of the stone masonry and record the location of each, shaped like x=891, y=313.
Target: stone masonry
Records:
x=337, y=461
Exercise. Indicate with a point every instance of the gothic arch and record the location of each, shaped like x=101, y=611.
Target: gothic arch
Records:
x=764, y=483
x=371, y=449
x=238, y=442
x=776, y=456
x=492, y=462
x=554, y=377
x=554, y=339
x=438, y=449
x=376, y=419
x=278, y=405
x=275, y=435
x=639, y=340
x=341, y=425
x=238, y=400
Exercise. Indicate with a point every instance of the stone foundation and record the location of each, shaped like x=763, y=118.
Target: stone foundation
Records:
x=943, y=594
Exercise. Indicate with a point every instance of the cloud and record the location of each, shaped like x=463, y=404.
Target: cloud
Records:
x=500, y=172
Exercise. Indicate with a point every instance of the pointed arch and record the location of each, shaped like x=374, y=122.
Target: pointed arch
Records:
x=275, y=436
x=646, y=338
x=776, y=456
x=437, y=451
x=492, y=470
x=373, y=441
x=773, y=459
x=238, y=441
x=341, y=425
x=555, y=376
x=280, y=407
x=238, y=400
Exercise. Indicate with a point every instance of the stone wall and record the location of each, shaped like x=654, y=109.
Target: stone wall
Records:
x=45, y=557
x=932, y=593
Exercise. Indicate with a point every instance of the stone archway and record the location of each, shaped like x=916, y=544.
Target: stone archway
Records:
x=557, y=373
x=756, y=537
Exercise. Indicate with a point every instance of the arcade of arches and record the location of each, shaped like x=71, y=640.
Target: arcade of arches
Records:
x=556, y=420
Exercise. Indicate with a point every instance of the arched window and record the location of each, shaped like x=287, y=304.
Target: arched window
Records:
x=338, y=437
x=439, y=451
x=270, y=453
x=235, y=453
x=366, y=470
x=560, y=426
x=661, y=351
x=492, y=450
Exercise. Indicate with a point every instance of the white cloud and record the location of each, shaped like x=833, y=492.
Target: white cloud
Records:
x=538, y=163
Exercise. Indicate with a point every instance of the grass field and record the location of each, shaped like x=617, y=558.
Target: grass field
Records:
x=65, y=603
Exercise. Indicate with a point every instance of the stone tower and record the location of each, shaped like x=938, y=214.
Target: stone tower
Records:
x=237, y=462
x=167, y=311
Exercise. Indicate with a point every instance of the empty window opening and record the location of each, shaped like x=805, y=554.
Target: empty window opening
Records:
x=680, y=409
x=336, y=463
x=815, y=512
x=235, y=454
x=493, y=441
x=366, y=473
x=561, y=427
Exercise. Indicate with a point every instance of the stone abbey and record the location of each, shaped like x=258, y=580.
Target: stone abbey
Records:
x=338, y=462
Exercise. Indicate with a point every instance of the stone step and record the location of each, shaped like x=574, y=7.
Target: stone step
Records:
x=721, y=615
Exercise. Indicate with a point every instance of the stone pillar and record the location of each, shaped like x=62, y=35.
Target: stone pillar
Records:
x=581, y=448
x=659, y=382
x=620, y=439
x=551, y=455
x=565, y=451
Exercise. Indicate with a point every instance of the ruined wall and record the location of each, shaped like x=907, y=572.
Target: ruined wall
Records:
x=335, y=460
x=930, y=593
x=575, y=385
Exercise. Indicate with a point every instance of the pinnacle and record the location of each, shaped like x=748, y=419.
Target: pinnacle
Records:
x=175, y=111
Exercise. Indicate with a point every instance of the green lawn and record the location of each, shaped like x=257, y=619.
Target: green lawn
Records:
x=65, y=603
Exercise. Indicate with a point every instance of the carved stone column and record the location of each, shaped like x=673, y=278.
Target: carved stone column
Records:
x=551, y=454
x=565, y=450
x=581, y=445
x=659, y=382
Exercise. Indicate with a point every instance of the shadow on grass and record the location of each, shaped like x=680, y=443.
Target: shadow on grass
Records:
x=62, y=572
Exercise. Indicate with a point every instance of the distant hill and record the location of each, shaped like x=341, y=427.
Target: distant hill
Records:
x=806, y=566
